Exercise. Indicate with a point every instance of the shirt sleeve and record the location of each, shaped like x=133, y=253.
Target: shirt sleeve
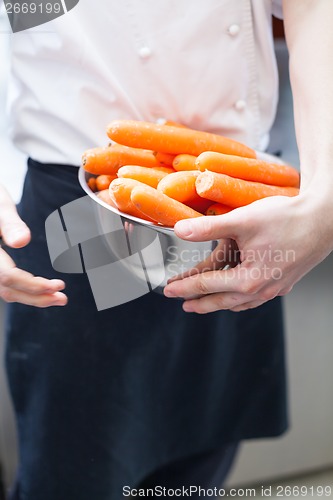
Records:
x=277, y=9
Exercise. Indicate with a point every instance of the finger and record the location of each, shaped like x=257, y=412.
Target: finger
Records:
x=186, y=274
x=216, y=302
x=6, y=262
x=14, y=231
x=18, y=279
x=225, y=254
x=43, y=300
x=204, y=284
x=13, y=277
x=207, y=228
x=248, y=305
x=285, y=291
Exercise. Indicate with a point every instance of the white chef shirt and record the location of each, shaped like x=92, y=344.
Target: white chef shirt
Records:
x=209, y=64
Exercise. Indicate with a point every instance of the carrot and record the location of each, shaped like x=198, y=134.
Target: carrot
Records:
x=104, y=195
x=173, y=140
x=199, y=204
x=236, y=192
x=249, y=169
x=120, y=193
x=92, y=183
x=167, y=170
x=179, y=185
x=163, y=121
x=160, y=207
x=109, y=159
x=174, y=124
x=185, y=162
x=103, y=181
x=164, y=158
x=218, y=209
x=149, y=176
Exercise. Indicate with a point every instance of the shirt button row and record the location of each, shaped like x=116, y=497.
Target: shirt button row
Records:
x=233, y=29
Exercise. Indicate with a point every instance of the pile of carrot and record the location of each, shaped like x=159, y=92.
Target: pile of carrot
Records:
x=167, y=172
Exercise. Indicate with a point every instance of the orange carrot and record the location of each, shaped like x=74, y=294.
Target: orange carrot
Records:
x=92, y=183
x=149, y=176
x=120, y=193
x=103, y=181
x=249, y=169
x=164, y=158
x=167, y=170
x=236, y=192
x=160, y=207
x=185, y=162
x=164, y=121
x=173, y=140
x=199, y=204
x=109, y=159
x=105, y=196
x=218, y=209
x=180, y=185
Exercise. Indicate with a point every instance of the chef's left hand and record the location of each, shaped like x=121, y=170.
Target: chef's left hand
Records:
x=280, y=239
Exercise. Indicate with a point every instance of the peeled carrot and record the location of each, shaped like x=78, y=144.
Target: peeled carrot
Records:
x=120, y=193
x=149, y=176
x=103, y=181
x=109, y=159
x=92, y=183
x=185, y=162
x=160, y=207
x=236, y=192
x=164, y=158
x=105, y=196
x=179, y=185
x=218, y=209
x=199, y=204
x=249, y=169
x=164, y=121
x=167, y=170
x=173, y=140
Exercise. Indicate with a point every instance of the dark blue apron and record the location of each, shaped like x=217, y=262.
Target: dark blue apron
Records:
x=102, y=399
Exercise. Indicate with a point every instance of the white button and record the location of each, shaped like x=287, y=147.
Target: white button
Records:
x=145, y=52
x=233, y=29
x=240, y=105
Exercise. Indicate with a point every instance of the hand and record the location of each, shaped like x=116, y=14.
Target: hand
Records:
x=279, y=239
x=224, y=255
x=17, y=285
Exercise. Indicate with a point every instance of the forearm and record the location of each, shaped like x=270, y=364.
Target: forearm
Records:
x=308, y=25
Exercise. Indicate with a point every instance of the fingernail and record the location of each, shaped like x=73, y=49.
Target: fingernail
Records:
x=187, y=307
x=59, y=285
x=168, y=293
x=62, y=302
x=60, y=298
x=184, y=227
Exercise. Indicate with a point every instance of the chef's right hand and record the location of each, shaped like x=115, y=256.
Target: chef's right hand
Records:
x=17, y=285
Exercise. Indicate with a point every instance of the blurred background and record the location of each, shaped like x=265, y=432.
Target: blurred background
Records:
x=304, y=456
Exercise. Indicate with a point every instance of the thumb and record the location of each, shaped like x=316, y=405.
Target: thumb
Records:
x=207, y=228
x=14, y=231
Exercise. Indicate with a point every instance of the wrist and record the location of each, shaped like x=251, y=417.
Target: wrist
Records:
x=315, y=206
